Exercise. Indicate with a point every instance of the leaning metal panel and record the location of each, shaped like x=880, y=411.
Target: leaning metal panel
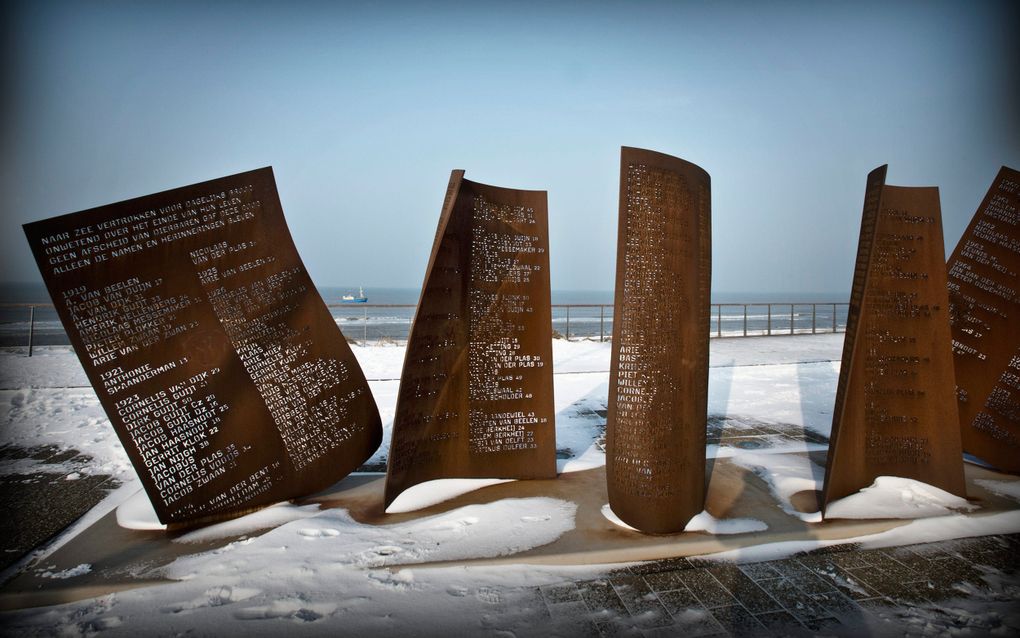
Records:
x=984, y=298
x=658, y=383
x=220, y=368
x=895, y=413
x=476, y=392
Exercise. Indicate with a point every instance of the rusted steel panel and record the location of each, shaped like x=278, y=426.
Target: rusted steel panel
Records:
x=476, y=392
x=895, y=413
x=220, y=368
x=984, y=302
x=658, y=384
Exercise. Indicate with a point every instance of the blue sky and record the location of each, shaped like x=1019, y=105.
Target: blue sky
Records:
x=363, y=110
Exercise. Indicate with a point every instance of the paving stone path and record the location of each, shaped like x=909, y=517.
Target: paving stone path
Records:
x=967, y=587
x=38, y=505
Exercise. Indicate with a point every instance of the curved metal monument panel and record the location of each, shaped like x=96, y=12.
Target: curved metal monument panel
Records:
x=476, y=394
x=658, y=383
x=220, y=368
x=895, y=413
x=984, y=302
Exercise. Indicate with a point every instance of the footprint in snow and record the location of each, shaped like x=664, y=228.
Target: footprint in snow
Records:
x=457, y=590
x=387, y=550
x=311, y=532
x=457, y=524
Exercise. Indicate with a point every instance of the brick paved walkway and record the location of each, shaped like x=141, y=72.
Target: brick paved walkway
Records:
x=969, y=585
x=38, y=505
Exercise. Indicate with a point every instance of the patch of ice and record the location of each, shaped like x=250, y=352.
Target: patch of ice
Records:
x=434, y=492
x=786, y=475
x=80, y=570
x=897, y=497
x=1010, y=489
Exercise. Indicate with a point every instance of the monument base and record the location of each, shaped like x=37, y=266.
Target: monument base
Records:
x=125, y=559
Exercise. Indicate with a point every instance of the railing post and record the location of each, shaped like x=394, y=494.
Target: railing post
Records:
x=791, y=318
x=31, y=328
x=365, y=333
x=770, y=319
x=745, y=319
x=814, y=316
x=568, y=323
x=602, y=323
x=834, y=317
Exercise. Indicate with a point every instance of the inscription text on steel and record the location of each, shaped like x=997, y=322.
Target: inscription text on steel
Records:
x=476, y=396
x=984, y=297
x=222, y=371
x=895, y=412
x=658, y=385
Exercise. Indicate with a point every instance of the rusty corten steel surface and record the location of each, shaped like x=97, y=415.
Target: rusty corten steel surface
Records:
x=476, y=392
x=895, y=414
x=984, y=302
x=220, y=368
x=658, y=383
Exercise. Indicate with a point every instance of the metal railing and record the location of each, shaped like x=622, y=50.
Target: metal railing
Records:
x=392, y=322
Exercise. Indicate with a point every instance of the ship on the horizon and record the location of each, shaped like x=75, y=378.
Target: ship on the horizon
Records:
x=349, y=298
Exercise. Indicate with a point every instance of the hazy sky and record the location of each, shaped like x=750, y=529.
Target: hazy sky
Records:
x=363, y=110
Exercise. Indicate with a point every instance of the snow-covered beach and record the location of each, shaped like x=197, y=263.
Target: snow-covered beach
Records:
x=319, y=568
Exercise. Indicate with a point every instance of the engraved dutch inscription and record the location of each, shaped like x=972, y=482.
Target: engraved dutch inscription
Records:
x=895, y=411
x=476, y=397
x=658, y=384
x=984, y=301
x=220, y=368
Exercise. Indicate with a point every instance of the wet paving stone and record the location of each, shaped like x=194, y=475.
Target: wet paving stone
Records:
x=793, y=599
x=574, y=617
x=39, y=506
x=991, y=551
x=561, y=593
x=836, y=576
x=601, y=599
x=665, y=581
x=838, y=605
x=677, y=601
x=659, y=566
x=759, y=571
x=706, y=588
x=803, y=577
x=778, y=622
x=738, y=621
x=641, y=602
x=755, y=599
x=824, y=625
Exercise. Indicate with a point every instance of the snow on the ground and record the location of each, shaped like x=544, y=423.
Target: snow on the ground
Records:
x=703, y=522
x=320, y=569
x=921, y=530
x=1010, y=489
x=896, y=497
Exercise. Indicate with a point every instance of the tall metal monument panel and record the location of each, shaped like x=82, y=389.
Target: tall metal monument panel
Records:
x=476, y=392
x=658, y=383
x=984, y=301
x=223, y=373
x=895, y=413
